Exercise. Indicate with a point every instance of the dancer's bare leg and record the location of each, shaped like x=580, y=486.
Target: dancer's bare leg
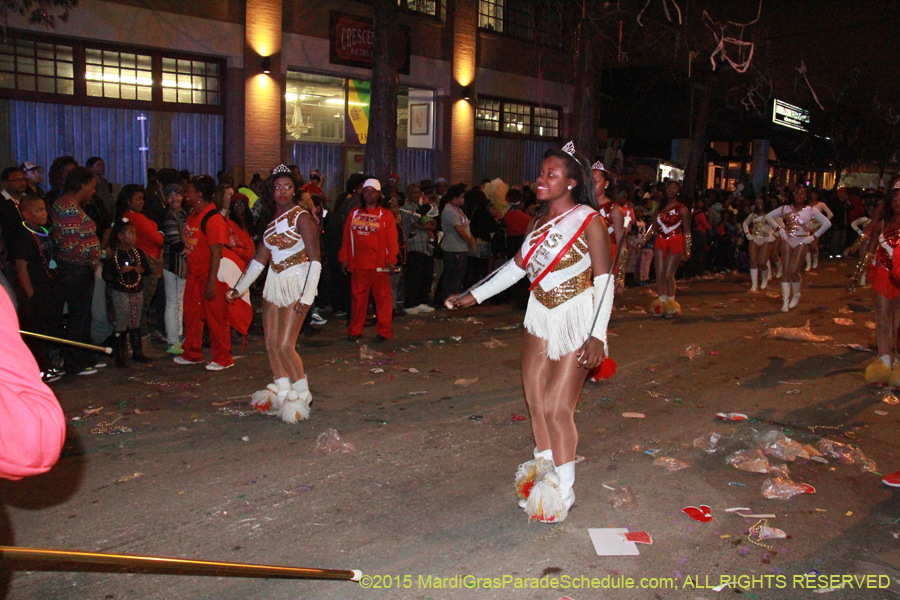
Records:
x=271, y=328
x=285, y=342
x=886, y=320
x=670, y=266
x=564, y=384
x=662, y=285
x=795, y=262
x=753, y=249
x=787, y=259
x=535, y=377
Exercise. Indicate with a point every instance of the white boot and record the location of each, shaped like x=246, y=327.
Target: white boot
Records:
x=815, y=260
x=785, y=295
x=795, y=285
x=296, y=403
x=778, y=268
x=862, y=280
x=529, y=471
x=270, y=399
x=754, y=273
x=808, y=261
x=566, y=474
x=766, y=276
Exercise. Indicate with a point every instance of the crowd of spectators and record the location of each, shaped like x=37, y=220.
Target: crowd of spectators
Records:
x=81, y=253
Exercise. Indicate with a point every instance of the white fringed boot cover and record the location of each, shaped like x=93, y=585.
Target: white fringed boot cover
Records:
x=296, y=404
x=529, y=471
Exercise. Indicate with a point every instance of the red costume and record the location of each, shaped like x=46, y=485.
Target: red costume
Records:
x=197, y=309
x=370, y=243
x=670, y=238
x=887, y=272
x=606, y=212
x=149, y=238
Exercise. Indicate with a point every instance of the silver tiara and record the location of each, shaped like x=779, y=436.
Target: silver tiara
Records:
x=598, y=166
x=569, y=149
x=280, y=169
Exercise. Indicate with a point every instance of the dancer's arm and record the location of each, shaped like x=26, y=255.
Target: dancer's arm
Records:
x=746, y=225
x=254, y=269
x=686, y=228
x=309, y=231
x=601, y=264
x=774, y=219
x=822, y=219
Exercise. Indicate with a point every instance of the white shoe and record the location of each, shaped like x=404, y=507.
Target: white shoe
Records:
x=317, y=320
x=214, y=366
x=411, y=311
x=424, y=308
x=179, y=360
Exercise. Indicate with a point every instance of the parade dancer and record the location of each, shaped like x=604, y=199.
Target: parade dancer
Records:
x=566, y=255
x=886, y=291
x=812, y=257
x=289, y=292
x=616, y=221
x=760, y=235
x=673, y=245
x=792, y=222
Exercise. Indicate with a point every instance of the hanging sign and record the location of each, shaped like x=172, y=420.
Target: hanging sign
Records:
x=352, y=40
x=791, y=116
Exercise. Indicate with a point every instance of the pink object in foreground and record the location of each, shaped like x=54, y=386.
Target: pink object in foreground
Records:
x=639, y=537
x=892, y=480
x=32, y=424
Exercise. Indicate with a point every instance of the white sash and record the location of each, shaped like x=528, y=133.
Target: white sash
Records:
x=543, y=247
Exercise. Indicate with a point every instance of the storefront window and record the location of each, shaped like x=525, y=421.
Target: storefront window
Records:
x=487, y=116
x=493, y=115
x=330, y=109
x=119, y=75
x=190, y=81
x=315, y=108
x=37, y=67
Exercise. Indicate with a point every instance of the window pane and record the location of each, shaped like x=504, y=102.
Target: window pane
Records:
x=145, y=93
x=129, y=92
x=199, y=97
x=110, y=58
x=168, y=64
x=517, y=118
x=198, y=82
x=212, y=84
x=490, y=15
x=45, y=51
x=184, y=66
x=25, y=65
x=64, y=53
x=27, y=82
x=315, y=107
x=24, y=48
x=46, y=85
x=128, y=61
x=95, y=89
x=8, y=81
x=199, y=68
x=65, y=86
x=65, y=70
x=110, y=90
x=212, y=69
x=184, y=95
x=93, y=56
x=7, y=63
x=169, y=95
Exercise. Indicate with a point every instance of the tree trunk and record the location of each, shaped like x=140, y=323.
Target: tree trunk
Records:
x=381, y=141
x=838, y=171
x=585, y=109
x=698, y=142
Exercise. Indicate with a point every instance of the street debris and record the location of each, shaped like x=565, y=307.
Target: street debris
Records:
x=330, y=442
x=633, y=415
x=846, y=454
x=128, y=478
x=622, y=496
x=610, y=542
x=465, y=382
x=707, y=443
x=702, y=514
x=245, y=438
x=672, y=464
x=732, y=416
x=693, y=351
x=839, y=321
x=781, y=487
x=493, y=343
x=796, y=334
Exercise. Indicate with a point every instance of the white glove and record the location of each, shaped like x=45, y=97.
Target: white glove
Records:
x=254, y=270
x=602, y=283
x=750, y=237
x=312, y=283
x=508, y=274
x=808, y=239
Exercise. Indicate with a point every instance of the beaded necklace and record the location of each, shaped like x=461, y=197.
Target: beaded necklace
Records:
x=45, y=263
x=133, y=258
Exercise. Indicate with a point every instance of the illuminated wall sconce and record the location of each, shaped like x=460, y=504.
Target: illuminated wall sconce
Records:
x=266, y=65
x=467, y=92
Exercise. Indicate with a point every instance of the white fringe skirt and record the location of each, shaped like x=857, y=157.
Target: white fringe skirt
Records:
x=565, y=327
x=285, y=288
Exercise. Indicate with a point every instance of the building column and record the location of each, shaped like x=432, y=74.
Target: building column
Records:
x=263, y=93
x=462, y=127
x=759, y=171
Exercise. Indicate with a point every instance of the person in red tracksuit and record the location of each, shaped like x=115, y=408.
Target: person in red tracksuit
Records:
x=204, y=294
x=369, y=253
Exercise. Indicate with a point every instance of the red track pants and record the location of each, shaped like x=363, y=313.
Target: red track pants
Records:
x=214, y=313
x=362, y=281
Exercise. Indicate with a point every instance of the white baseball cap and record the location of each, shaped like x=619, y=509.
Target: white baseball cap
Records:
x=372, y=183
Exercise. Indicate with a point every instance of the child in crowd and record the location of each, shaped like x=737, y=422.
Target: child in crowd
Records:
x=34, y=252
x=123, y=271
